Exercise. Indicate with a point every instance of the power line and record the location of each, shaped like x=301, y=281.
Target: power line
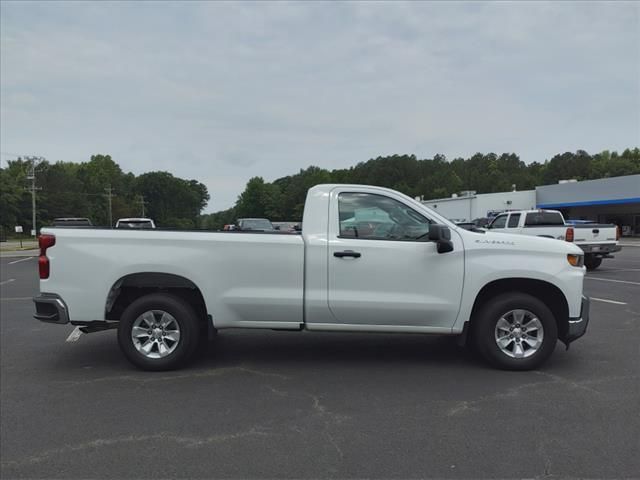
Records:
x=109, y=196
x=31, y=175
x=12, y=154
x=142, y=203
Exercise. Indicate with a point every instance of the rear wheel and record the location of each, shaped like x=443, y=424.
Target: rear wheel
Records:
x=592, y=262
x=159, y=332
x=515, y=331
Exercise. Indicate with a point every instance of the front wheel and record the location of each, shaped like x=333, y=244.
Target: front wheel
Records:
x=515, y=331
x=158, y=332
x=592, y=262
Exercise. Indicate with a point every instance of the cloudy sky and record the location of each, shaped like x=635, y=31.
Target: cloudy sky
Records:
x=221, y=92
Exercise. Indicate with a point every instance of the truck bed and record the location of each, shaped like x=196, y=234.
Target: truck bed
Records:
x=244, y=276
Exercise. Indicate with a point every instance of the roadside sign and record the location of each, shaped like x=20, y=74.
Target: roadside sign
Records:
x=33, y=233
x=18, y=229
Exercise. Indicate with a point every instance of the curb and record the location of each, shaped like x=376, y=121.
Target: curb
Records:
x=22, y=253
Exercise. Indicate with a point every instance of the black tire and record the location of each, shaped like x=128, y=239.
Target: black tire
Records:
x=484, y=331
x=592, y=262
x=189, y=329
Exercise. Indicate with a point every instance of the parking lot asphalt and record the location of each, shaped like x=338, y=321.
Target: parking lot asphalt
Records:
x=264, y=404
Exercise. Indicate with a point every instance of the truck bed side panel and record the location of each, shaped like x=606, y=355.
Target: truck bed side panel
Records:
x=245, y=279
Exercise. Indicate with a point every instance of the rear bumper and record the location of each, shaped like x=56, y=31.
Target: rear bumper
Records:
x=51, y=308
x=578, y=326
x=603, y=248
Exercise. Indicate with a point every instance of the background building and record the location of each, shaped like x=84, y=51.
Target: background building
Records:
x=607, y=200
x=468, y=206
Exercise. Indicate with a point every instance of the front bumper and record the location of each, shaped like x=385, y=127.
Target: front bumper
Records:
x=51, y=308
x=578, y=326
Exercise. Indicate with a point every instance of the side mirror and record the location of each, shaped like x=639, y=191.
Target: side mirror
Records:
x=442, y=236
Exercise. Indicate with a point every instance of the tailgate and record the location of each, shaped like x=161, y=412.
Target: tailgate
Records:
x=595, y=233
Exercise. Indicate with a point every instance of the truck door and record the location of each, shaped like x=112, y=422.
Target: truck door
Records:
x=382, y=269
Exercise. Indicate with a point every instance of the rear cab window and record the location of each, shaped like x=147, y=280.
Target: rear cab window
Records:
x=543, y=219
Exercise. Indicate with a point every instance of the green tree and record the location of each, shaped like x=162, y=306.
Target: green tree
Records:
x=172, y=202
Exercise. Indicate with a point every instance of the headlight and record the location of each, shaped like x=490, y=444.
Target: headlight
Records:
x=575, y=260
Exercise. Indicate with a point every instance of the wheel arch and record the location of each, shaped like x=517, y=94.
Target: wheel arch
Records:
x=546, y=292
x=132, y=286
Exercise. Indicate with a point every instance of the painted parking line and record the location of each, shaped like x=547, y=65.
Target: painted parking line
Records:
x=8, y=281
x=604, y=300
x=21, y=260
x=607, y=270
x=611, y=280
x=15, y=299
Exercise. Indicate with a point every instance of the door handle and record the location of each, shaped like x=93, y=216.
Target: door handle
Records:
x=347, y=253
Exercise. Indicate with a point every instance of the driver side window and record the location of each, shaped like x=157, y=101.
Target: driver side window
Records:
x=376, y=217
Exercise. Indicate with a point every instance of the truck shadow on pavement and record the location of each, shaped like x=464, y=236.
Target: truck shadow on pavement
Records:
x=326, y=348
x=287, y=350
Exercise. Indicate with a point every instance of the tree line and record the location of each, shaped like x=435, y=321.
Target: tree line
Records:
x=283, y=199
x=78, y=189
x=69, y=189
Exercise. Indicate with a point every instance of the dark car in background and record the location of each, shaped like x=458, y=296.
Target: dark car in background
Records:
x=254, y=225
x=71, y=222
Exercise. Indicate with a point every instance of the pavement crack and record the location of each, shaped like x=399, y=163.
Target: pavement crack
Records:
x=569, y=382
x=465, y=406
x=213, y=372
x=274, y=390
x=329, y=420
x=185, y=441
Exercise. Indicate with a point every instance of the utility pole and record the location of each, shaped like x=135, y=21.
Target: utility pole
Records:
x=31, y=175
x=142, y=203
x=109, y=195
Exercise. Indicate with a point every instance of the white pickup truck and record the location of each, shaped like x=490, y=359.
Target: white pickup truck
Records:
x=368, y=259
x=597, y=241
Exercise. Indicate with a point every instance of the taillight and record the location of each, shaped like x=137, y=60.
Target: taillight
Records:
x=45, y=241
x=617, y=233
x=568, y=236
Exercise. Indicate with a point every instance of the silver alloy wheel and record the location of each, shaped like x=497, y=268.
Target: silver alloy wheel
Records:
x=155, y=334
x=519, y=333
